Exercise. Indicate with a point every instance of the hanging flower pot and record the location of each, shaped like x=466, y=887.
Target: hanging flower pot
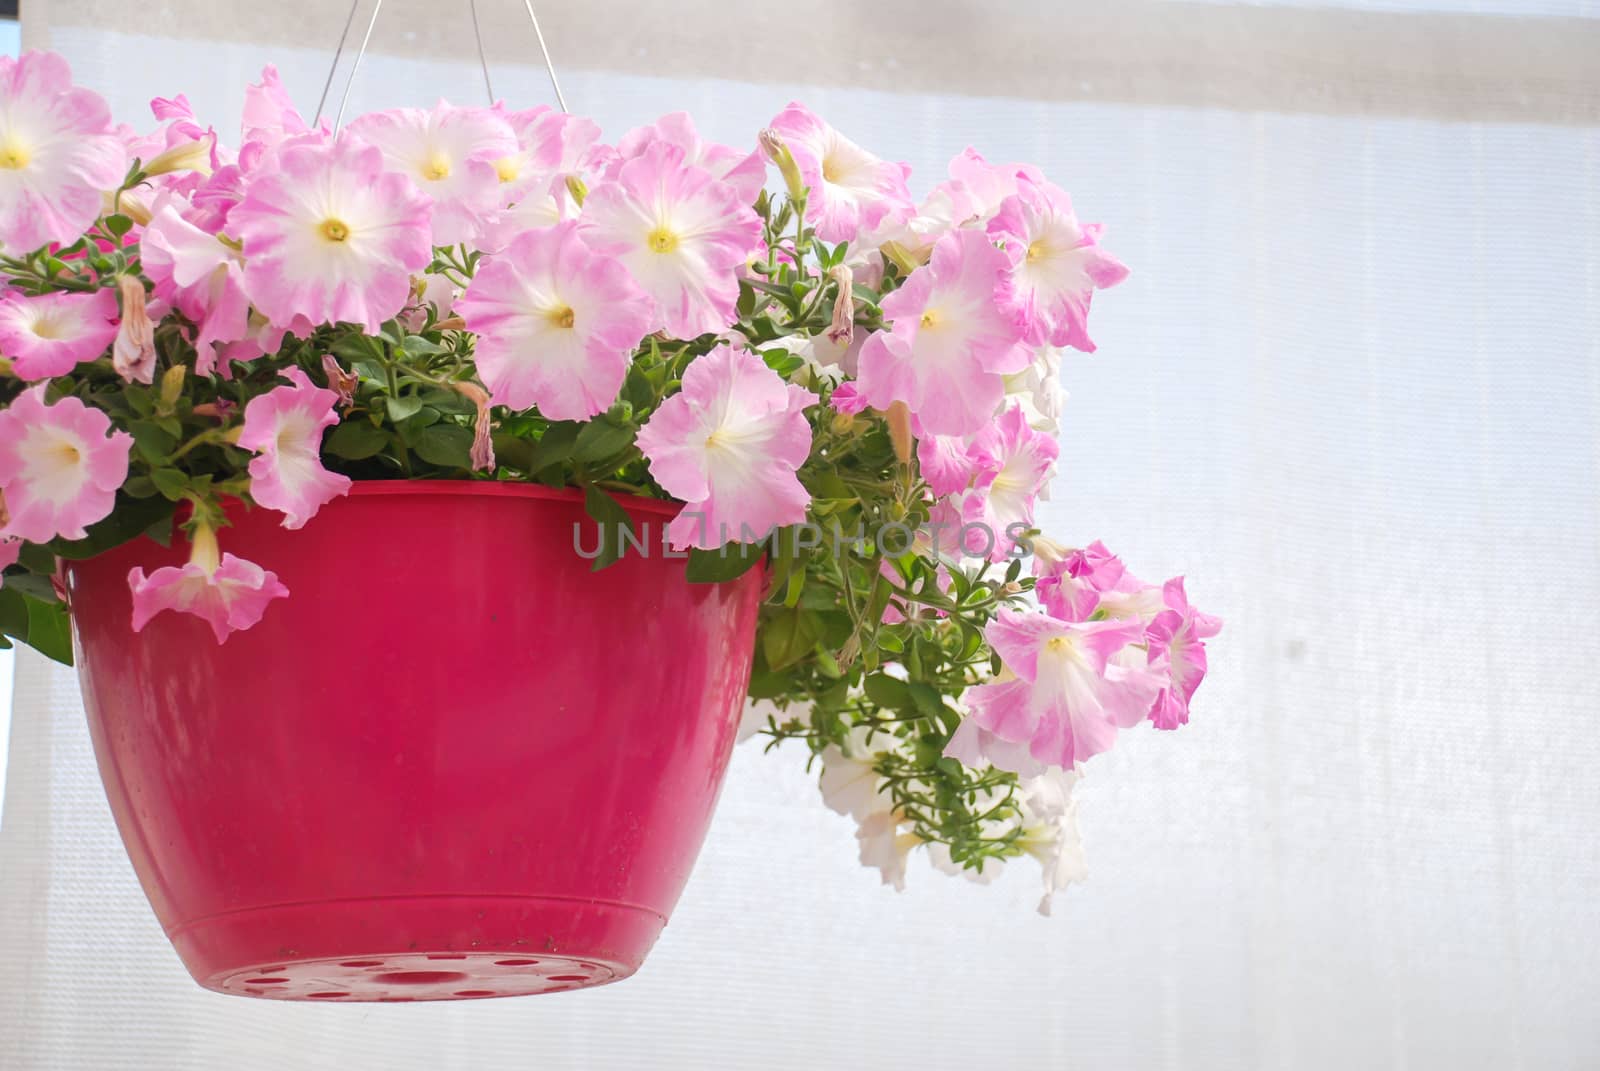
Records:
x=372, y=726
x=455, y=763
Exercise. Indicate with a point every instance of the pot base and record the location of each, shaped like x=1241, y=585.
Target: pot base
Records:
x=417, y=948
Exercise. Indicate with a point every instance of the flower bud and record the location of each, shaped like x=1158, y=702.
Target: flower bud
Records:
x=172, y=385
x=842, y=423
x=773, y=148
x=189, y=156
x=900, y=431
x=1048, y=551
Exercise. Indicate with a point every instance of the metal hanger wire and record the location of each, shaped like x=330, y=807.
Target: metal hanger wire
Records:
x=366, y=39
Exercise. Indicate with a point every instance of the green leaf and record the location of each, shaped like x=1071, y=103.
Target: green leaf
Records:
x=612, y=520
x=402, y=407
x=445, y=445
x=39, y=624
x=555, y=446
x=153, y=441
x=887, y=691
x=724, y=563
x=787, y=637
x=170, y=482
x=118, y=225
x=355, y=440
x=417, y=346
x=600, y=438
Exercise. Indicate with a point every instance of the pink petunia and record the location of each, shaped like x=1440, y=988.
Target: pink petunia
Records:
x=331, y=236
x=682, y=234
x=851, y=190
x=953, y=338
x=1066, y=697
x=269, y=114
x=729, y=445
x=58, y=153
x=201, y=276
x=1013, y=463
x=1058, y=263
x=51, y=334
x=60, y=466
x=228, y=593
x=450, y=154
x=1176, y=644
x=746, y=172
x=284, y=427
x=557, y=324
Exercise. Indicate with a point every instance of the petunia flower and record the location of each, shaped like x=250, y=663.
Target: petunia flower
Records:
x=1066, y=697
x=51, y=334
x=681, y=233
x=57, y=153
x=1176, y=644
x=746, y=172
x=953, y=338
x=331, y=236
x=1058, y=263
x=284, y=427
x=60, y=466
x=976, y=747
x=729, y=445
x=557, y=324
x=228, y=593
x=450, y=154
x=269, y=113
x=885, y=846
x=201, y=276
x=1073, y=584
x=1012, y=464
x=1050, y=831
x=850, y=189
x=550, y=144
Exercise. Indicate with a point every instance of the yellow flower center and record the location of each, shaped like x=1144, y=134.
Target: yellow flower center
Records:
x=662, y=240
x=1038, y=250
x=437, y=167
x=14, y=157
x=46, y=327
x=1058, y=645
x=830, y=170
x=335, y=230
x=562, y=316
x=506, y=168
x=930, y=318
x=67, y=455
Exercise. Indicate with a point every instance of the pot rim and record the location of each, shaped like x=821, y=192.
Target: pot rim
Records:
x=503, y=489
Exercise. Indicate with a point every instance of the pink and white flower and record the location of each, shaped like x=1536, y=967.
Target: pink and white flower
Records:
x=1013, y=464
x=1058, y=263
x=51, y=334
x=201, y=276
x=746, y=172
x=58, y=153
x=330, y=236
x=953, y=338
x=729, y=445
x=60, y=466
x=228, y=593
x=851, y=190
x=284, y=427
x=1176, y=645
x=269, y=113
x=557, y=324
x=681, y=233
x=1065, y=696
x=450, y=154
x=550, y=145
x=1074, y=584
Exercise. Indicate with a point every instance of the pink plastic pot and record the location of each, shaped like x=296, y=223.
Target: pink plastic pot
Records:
x=453, y=763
